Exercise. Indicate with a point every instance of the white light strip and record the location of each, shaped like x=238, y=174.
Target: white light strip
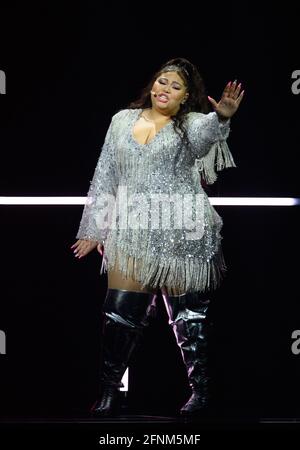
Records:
x=255, y=201
x=42, y=200
x=222, y=201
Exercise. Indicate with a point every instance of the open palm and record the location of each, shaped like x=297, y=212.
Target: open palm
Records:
x=230, y=100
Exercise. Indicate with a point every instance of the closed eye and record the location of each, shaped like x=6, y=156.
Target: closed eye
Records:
x=164, y=81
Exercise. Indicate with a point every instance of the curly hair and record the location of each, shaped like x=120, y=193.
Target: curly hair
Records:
x=196, y=100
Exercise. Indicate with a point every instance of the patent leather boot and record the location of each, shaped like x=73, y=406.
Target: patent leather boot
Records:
x=126, y=314
x=188, y=318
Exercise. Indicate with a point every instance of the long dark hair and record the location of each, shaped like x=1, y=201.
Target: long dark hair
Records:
x=196, y=100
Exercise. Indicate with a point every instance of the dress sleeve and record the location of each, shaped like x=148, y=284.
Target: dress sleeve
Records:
x=100, y=199
x=207, y=136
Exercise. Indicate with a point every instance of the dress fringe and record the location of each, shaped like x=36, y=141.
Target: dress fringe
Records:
x=190, y=274
x=218, y=158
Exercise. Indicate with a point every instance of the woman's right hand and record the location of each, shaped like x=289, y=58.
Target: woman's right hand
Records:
x=83, y=247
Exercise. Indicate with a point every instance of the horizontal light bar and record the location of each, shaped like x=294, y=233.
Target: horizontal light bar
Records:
x=42, y=200
x=255, y=201
x=222, y=201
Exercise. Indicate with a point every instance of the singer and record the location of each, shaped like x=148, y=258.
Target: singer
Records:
x=168, y=143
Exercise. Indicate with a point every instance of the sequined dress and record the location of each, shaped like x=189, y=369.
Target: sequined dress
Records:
x=149, y=209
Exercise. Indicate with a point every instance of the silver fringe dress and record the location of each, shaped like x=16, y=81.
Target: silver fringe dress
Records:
x=149, y=209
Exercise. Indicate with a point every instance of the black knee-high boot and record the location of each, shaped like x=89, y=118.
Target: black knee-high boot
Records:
x=126, y=314
x=188, y=317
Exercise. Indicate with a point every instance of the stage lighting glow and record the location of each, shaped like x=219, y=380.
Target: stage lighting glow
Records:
x=220, y=201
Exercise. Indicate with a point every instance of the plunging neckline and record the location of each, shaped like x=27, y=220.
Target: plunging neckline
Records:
x=136, y=118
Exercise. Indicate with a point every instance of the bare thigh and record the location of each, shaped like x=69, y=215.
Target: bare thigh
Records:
x=116, y=280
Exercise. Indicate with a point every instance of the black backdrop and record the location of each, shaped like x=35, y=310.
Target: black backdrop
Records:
x=68, y=69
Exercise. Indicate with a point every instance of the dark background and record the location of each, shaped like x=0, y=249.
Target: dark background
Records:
x=68, y=69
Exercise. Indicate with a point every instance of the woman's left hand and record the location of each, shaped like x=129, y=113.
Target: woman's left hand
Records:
x=230, y=100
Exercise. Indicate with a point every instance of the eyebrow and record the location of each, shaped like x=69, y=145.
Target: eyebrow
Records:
x=165, y=78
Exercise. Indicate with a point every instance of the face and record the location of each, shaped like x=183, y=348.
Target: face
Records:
x=170, y=90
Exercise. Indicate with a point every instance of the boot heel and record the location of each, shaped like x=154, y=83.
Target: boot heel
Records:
x=109, y=405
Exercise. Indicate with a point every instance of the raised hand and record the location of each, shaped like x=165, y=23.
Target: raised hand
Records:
x=230, y=100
